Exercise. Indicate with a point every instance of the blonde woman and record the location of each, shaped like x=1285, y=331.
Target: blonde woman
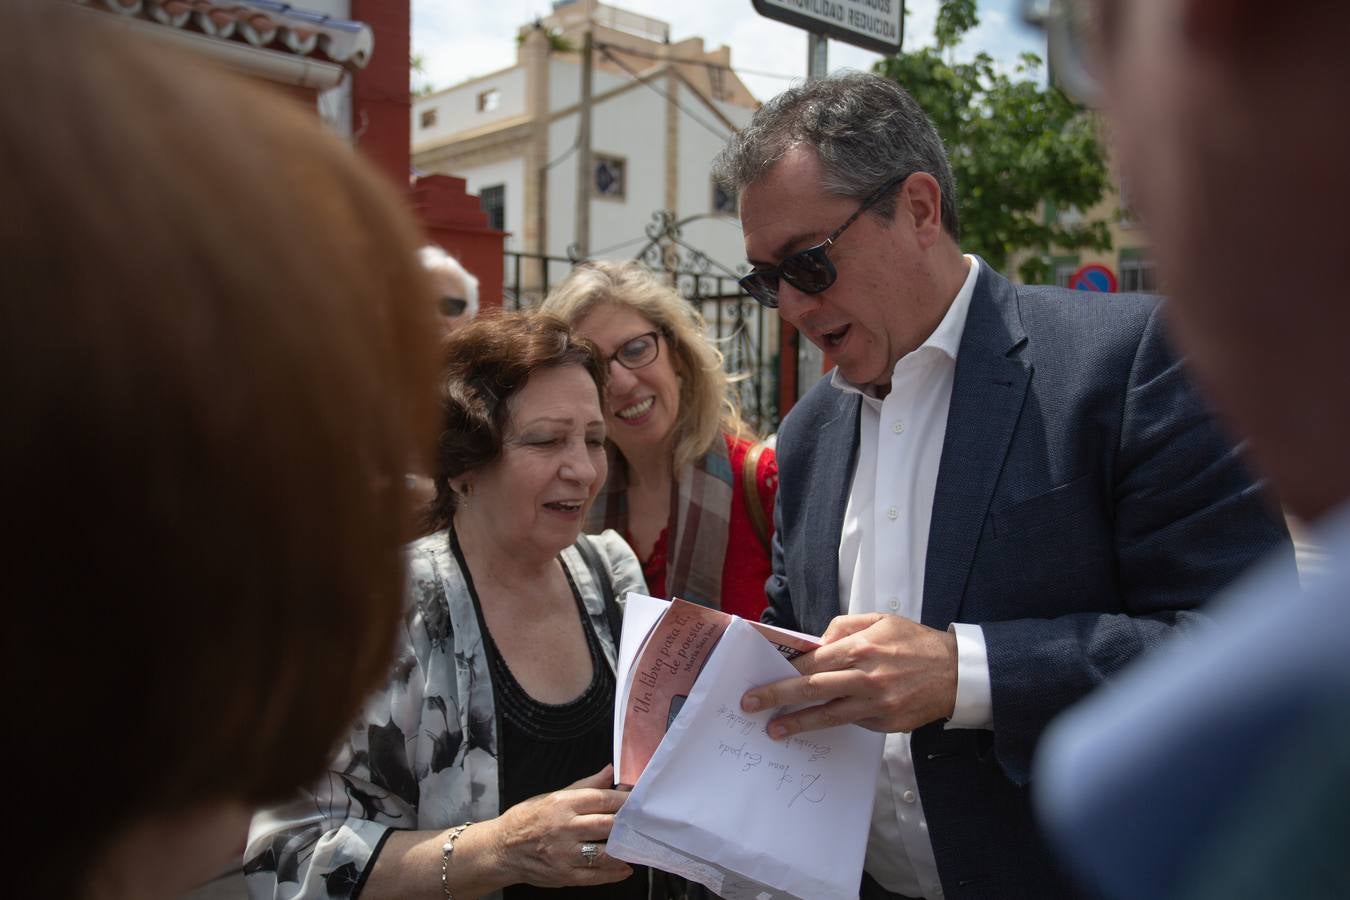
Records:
x=688, y=487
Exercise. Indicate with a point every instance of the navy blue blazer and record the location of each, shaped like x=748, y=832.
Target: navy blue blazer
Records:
x=1086, y=505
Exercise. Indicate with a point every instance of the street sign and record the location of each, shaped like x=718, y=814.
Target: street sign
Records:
x=1093, y=277
x=876, y=25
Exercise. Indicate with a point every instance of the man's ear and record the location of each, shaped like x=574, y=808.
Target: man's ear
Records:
x=921, y=199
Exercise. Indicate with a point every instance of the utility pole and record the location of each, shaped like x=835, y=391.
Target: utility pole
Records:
x=810, y=359
x=535, y=53
x=584, y=167
x=817, y=46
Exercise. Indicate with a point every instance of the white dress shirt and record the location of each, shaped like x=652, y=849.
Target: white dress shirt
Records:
x=882, y=551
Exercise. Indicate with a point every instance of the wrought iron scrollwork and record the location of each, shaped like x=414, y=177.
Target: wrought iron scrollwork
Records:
x=667, y=251
x=663, y=224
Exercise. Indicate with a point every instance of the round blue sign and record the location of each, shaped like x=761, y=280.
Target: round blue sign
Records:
x=1094, y=277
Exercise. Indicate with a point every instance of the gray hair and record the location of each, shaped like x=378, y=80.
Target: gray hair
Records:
x=865, y=130
x=438, y=262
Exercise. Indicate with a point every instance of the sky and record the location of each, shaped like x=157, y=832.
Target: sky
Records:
x=459, y=40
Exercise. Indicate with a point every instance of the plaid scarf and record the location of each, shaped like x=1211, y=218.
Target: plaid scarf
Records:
x=696, y=535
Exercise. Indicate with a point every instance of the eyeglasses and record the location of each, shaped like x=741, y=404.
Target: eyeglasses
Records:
x=1074, y=32
x=809, y=271
x=638, y=352
x=453, y=306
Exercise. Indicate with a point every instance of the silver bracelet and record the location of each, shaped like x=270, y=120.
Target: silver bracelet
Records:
x=446, y=849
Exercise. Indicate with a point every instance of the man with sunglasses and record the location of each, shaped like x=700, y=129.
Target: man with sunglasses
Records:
x=1008, y=492
x=1221, y=769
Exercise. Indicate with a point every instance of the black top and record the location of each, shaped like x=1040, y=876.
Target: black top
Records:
x=545, y=747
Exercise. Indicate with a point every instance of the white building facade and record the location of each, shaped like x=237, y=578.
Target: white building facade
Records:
x=660, y=112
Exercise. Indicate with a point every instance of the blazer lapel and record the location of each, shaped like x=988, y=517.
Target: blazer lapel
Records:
x=987, y=395
x=836, y=453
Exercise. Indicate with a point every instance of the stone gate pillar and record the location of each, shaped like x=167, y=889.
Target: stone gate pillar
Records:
x=454, y=219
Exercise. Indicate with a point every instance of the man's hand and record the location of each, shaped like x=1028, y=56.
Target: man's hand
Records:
x=883, y=672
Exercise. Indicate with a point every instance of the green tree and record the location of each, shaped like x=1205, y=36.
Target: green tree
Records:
x=1016, y=148
x=417, y=71
x=556, y=42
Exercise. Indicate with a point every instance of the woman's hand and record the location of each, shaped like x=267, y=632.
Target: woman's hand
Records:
x=539, y=840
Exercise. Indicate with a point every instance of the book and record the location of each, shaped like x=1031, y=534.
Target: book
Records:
x=713, y=797
x=671, y=657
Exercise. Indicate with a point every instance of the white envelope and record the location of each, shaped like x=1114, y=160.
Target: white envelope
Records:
x=722, y=804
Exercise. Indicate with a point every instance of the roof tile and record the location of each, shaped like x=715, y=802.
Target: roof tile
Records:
x=264, y=24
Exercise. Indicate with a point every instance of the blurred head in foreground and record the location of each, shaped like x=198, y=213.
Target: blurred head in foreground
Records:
x=1223, y=116
x=210, y=398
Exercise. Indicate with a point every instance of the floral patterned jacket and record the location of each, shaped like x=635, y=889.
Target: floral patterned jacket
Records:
x=423, y=753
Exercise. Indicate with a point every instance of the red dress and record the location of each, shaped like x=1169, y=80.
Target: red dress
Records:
x=746, y=566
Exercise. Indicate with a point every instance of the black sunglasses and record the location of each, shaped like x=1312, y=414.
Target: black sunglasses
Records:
x=453, y=306
x=809, y=271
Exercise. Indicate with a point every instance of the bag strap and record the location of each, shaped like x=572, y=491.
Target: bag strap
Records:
x=753, y=501
x=600, y=572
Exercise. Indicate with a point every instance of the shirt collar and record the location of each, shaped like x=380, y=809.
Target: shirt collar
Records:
x=945, y=338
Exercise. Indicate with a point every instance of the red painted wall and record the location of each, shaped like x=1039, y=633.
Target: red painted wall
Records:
x=381, y=103
x=381, y=112
x=454, y=219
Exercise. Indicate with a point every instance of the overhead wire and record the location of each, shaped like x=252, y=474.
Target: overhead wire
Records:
x=576, y=145
x=721, y=135
x=706, y=63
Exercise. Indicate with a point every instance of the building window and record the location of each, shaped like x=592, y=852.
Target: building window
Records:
x=489, y=100
x=723, y=201
x=494, y=204
x=1063, y=267
x=610, y=180
x=1128, y=218
x=428, y=117
x=1138, y=273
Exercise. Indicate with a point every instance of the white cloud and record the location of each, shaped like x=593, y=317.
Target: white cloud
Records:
x=463, y=40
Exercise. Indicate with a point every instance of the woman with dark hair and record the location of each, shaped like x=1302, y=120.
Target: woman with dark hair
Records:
x=482, y=764
x=208, y=408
